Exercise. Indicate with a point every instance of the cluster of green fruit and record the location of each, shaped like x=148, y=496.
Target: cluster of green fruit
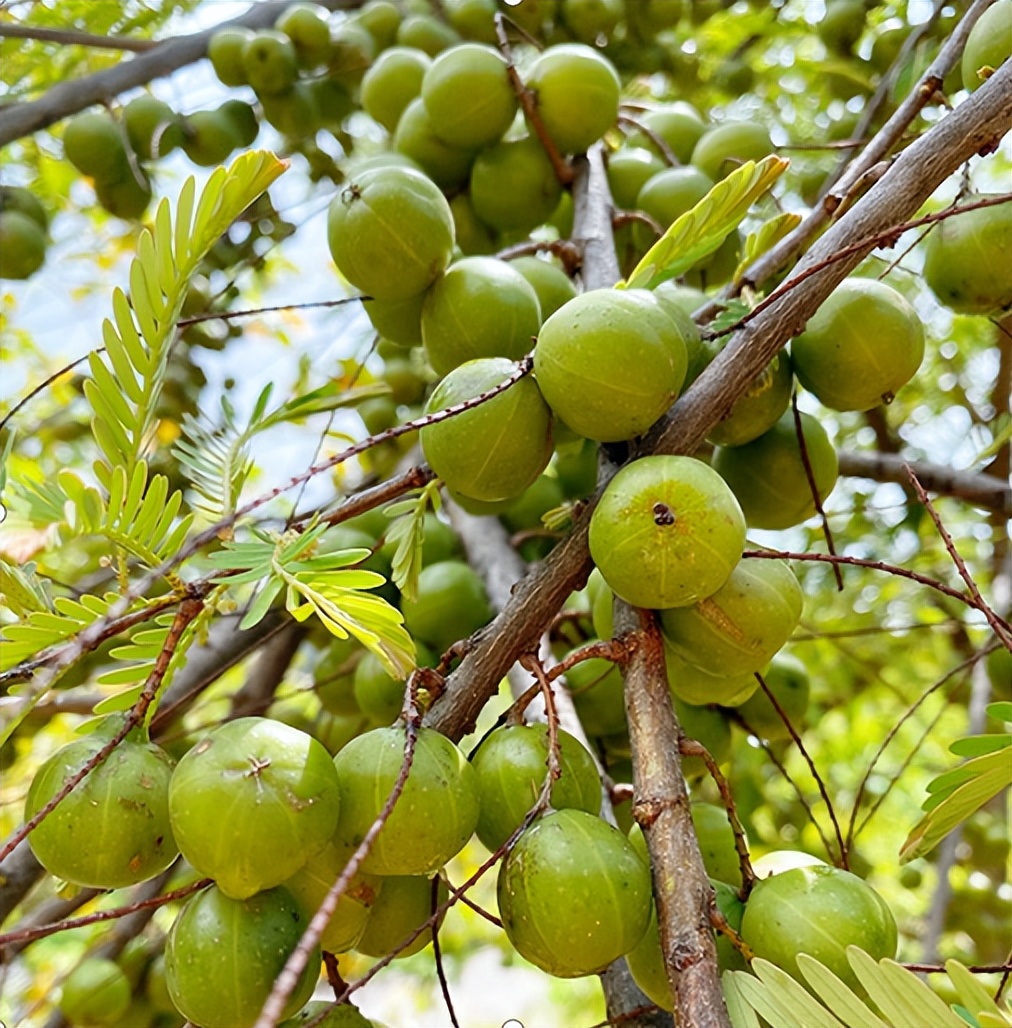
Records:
x=23, y=233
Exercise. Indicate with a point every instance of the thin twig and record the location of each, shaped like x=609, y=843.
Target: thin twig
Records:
x=437, y=955
x=667, y=154
x=251, y=312
x=71, y=37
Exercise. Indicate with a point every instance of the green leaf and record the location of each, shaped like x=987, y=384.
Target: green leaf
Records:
x=764, y=239
x=21, y=590
x=699, y=232
x=836, y=994
x=975, y=997
x=738, y=1008
x=978, y=745
x=331, y=396
x=1000, y=711
x=408, y=532
x=797, y=1003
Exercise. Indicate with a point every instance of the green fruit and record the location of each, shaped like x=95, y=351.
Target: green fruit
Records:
x=768, y=476
x=343, y=1016
x=468, y=95
x=93, y=143
x=377, y=694
x=596, y=688
x=668, y=195
x=526, y=511
x=787, y=679
x=381, y=18
x=307, y=25
x=666, y=533
x=724, y=147
x=573, y=894
x=481, y=307
x=152, y=127
x=820, y=911
x=400, y=321
x=862, y=346
x=577, y=95
x=651, y=16
x=709, y=728
x=493, y=451
x=209, y=137
x=717, y=268
x=842, y=25
x=450, y=604
x=511, y=765
x=128, y=198
x=404, y=903
x=610, y=363
x=778, y=861
x=223, y=955
x=311, y=883
x=270, y=62
x=390, y=232
x=513, y=185
x=435, y=814
x=691, y=684
x=22, y=245
x=531, y=15
x=95, y=993
x=447, y=166
x=679, y=124
x=293, y=113
x=393, y=81
x=113, y=829
x=17, y=198
x=629, y=170
x=739, y=628
x=589, y=19
x=760, y=408
x=999, y=668
x=426, y=33
x=576, y=468
x=680, y=303
x=968, y=260
x=473, y=236
x=989, y=43
x=352, y=50
x=225, y=49
x=281, y=793
x=243, y=120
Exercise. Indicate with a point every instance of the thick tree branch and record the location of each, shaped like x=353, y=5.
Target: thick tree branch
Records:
x=70, y=37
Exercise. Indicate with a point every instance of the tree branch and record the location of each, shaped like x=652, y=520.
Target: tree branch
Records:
x=71, y=37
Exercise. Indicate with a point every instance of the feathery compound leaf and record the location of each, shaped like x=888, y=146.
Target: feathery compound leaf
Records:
x=21, y=590
x=764, y=239
x=408, y=532
x=700, y=231
x=976, y=999
x=738, y=1008
x=836, y=994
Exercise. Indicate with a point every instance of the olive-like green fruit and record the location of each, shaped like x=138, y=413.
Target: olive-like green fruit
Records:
x=22, y=245
x=596, y=688
x=512, y=764
x=667, y=532
x=473, y=235
x=426, y=33
x=861, y=347
x=225, y=50
x=307, y=25
x=513, y=185
x=381, y=19
x=573, y=894
x=113, y=829
x=24, y=201
x=968, y=259
x=468, y=96
x=481, y=307
x=209, y=137
x=989, y=43
x=450, y=604
x=474, y=19
x=577, y=95
x=243, y=120
x=717, y=267
x=551, y=284
x=588, y=20
x=768, y=474
x=610, y=363
x=526, y=511
x=435, y=814
x=352, y=50
x=680, y=303
x=345, y=1015
x=724, y=147
x=787, y=679
x=400, y=321
x=311, y=883
x=842, y=25
x=293, y=113
x=393, y=81
x=152, y=127
x=448, y=166
x=692, y=684
x=739, y=628
x=709, y=727
x=760, y=408
x=333, y=676
x=93, y=143
x=629, y=170
x=390, y=232
x=95, y=993
x=377, y=693
x=223, y=955
x=820, y=911
x=403, y=905
x=576, y=467
x=281, y=793
x=270, y=62
x=679, y=124
x=493, y=451
x=128, y=198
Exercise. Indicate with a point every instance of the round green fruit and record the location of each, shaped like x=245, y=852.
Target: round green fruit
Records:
x=493, y=451
x=708, y=727
x=692, y=684
x=473, y=235
x=345, y=1015
x=426, y=33
x=553, y=286
x=760, y=408
x=448, y=166
x=223, y=955
x=768, y=475
x=725, y=147
x=468, y=96
x=526, y=511
x=390, y=232
x=573, y=894
x=739, y=628
x=678, y=124
x=209, y=137
x=481, y=307
x=435, y=814
x=393, y=81
x=294, y=113
x=862, y=346
x=128, y=198
x=352, y=50
x=787, y=679
x=587, y=20
x=22, y=245
x=152, y=127
x=989, y=43
x=596, y=688
x=666, y=533
x=820, y=911
x=270, y=62
x=968, y=260
x=669, y=194
x=511, y=765
x=680, y=303
x=576, y=468
x=93, y=143
x=311, y=883
x=113, y=829
x=404, y=903
x=333, y=677
x=377, y=694
x=400, y=321
x=95, y=993
x=778, y=861
x=24, y=201
x=281, y=794
x=381, y=19
x=307, y=25
x=513, y=185
x=610, y=363
x=225, y=50
x=450, y=604
x=629, y=170
x=474, y=19
x=842, y=25
x=577, y=95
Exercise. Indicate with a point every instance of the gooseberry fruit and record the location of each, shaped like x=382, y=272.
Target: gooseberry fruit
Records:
x=225, y=50
x=344, y=1015
x=989, y=43
x=668, y=195
x=450, y=603
x=724, y=147
x=667, y=532
x=113, y=828
x=679, y=124
x=589, y=19
x=17, y=198
x=778, y=861
x=862, y=345
x=390, y=232
x=629, y=170
x=493, y=451
x=93, y=143
x=270, y=62
x=209, y=137
x=596, y=688
x=474, y=19
x=128, y=198
x=573, y=894
x=404, y=903
x=787, y=679
x=513, y=185
x=400, y=321
x=435, y=814
x=708, y=727
x=152, y=127
x=760, y=408
x=610, y=363
x=281, y=793
x=223, y=955
x=416, y=137
x=692, y=684
x=22, y=245
x=551, y=284
x=307, y=25
x=473, y=235
x=842, y=25
x=393, y=81
x=95, y=993
x=426, y=33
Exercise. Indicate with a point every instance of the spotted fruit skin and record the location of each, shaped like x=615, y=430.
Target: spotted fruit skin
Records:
x=404, y=903
x=691, y=684
x=989, y=43
x=573, y=894
x=667, y=532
